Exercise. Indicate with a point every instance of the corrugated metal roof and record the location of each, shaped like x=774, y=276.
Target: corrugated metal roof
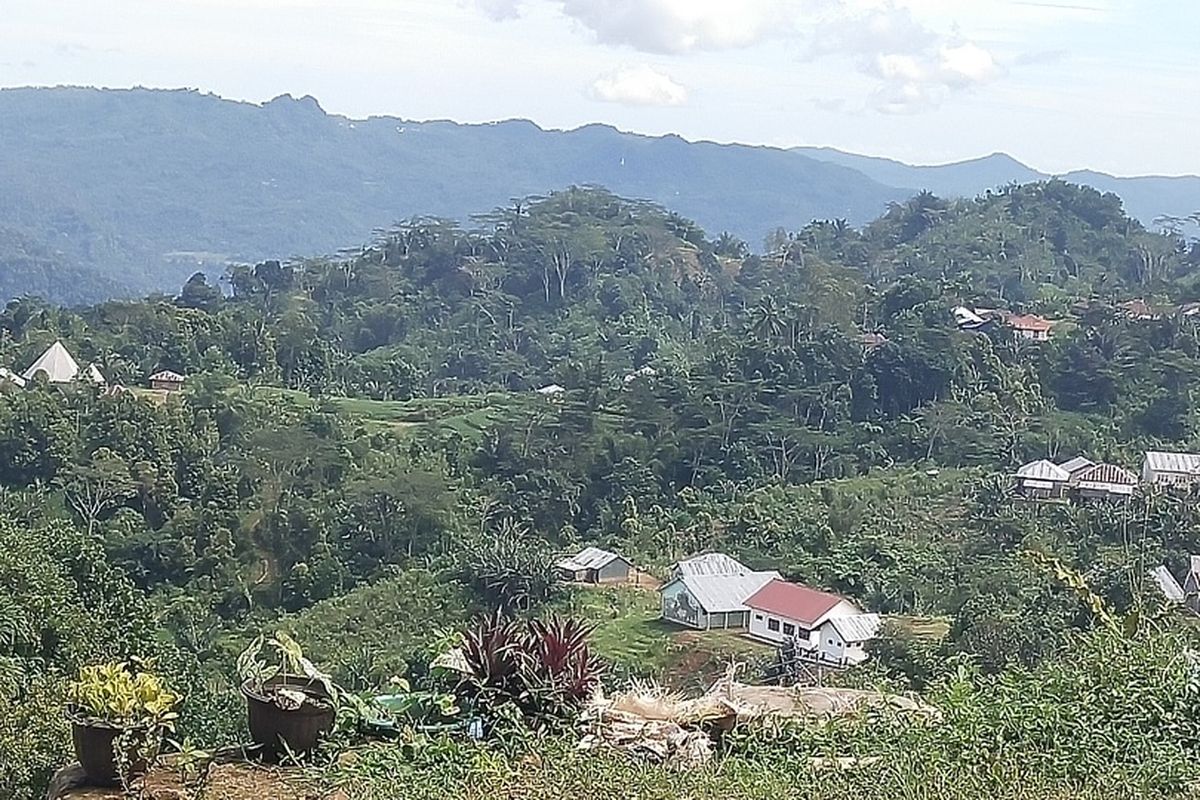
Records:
x=1168, y=585
x=722, y=593
x=711, y=564
x=857, y=628
x=168, y=375
x=1043, y=470
x=1184, y=463
x=793, y=601
x=588, y=558
x=1076, y=464
x=1107, y=474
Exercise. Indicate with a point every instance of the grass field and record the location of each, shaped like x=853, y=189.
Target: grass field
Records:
x=467, y=415
x=630, y=635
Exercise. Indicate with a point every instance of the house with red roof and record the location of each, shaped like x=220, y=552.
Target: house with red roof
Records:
x=823, y=626
x=1030, y=326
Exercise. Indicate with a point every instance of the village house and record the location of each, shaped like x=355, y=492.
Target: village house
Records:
x=872, y=341
x=1076, y=466
x=1168, y=586
x=1104, y=482
x=59, y=366
x=553, y=390
x=1042, y=480
x=167, y=381
x=1139, y=310
x=1191, y=584
x=824, y=627
x=593, y=565
x=1030, y=327
x=709, y=592
x=1171, y=469
x=10, y=378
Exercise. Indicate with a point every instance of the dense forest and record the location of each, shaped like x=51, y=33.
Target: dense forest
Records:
x=361, y=453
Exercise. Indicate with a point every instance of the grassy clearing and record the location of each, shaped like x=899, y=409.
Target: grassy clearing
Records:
x=466, y=415
x=933, y=628
x=632, y=638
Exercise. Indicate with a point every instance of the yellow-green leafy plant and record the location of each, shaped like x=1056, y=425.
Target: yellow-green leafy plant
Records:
x=122, y=696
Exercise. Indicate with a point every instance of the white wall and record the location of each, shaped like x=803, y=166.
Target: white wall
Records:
x=824, y=638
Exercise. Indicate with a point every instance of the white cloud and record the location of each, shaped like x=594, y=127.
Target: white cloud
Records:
x=499, y=9
x=639, y=86
x=681, y=26
x=918, y=68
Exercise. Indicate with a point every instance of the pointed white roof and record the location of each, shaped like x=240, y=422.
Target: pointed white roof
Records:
x=95, y=375
x=57, y=363
x=1043, y=471
x=168, y=376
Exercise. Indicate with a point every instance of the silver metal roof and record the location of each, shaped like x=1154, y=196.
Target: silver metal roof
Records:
x=1076, y=464
x=1043, y=471
x=588, y=558
x=1168, y=585
x=1184, y=463
x=717, y=594
x=857, y=627
x=710, y=564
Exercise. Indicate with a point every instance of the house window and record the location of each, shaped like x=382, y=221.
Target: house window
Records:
x=831, y=641
x=773, y=625
x=758, y=617
x=789, y=629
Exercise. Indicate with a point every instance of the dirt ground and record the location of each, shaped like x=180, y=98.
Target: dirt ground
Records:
x=222, y=782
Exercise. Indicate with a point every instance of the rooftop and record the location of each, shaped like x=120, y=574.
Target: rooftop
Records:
x=793, y=601
x=724, y=593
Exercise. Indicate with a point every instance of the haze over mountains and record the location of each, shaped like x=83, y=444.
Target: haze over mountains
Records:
x=111, y=192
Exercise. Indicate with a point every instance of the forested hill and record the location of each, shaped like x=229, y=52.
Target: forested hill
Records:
x=129, y=191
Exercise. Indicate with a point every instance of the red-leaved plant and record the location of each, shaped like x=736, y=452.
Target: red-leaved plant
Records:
x=542, y=667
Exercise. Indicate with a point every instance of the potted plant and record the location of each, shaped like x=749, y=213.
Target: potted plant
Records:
x=119, y=715
x=290, y=704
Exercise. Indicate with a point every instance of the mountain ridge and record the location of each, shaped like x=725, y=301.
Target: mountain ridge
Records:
x=144, y=186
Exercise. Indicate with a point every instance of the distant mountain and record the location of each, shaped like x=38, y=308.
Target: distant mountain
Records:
x=128, y=191
x=1146, y=198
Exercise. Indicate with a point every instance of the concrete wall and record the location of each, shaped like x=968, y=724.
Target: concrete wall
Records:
x=679, y=606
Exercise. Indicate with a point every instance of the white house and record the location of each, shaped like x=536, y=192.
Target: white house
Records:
x=167, y=381
x=1042, y=480
x=553, y=390
x=593, y=565
x=829, y=628
x=1171, y=469
x=708, y=602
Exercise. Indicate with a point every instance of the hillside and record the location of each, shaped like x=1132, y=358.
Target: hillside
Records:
x=142, y=187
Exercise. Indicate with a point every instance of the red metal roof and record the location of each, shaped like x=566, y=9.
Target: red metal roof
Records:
x=1029, y=322
x=793, y=601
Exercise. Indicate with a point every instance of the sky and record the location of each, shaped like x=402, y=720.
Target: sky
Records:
x=1110, y=85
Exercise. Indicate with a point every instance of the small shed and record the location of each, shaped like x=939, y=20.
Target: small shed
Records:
x=553, y=390
x=593, y=565
x=167, y=381
x=1042, y=480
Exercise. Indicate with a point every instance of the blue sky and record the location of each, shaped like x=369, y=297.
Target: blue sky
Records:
x=1111, y=85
